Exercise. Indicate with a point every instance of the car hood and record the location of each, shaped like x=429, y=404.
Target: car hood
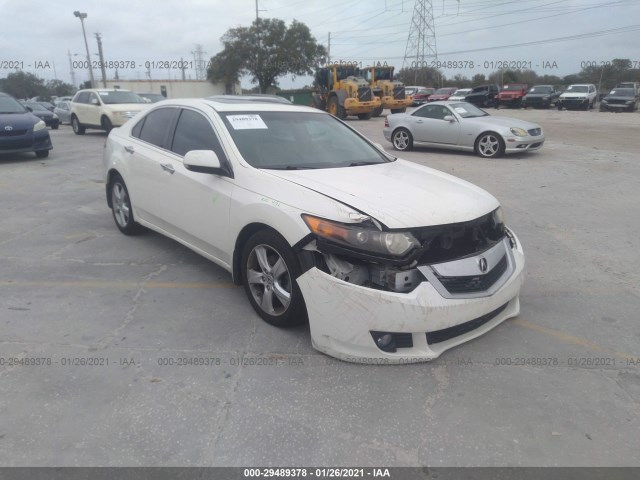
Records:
x=18, y=120
x=575, y=95
x=439, y=97
x=477, y=94
x=619, y=97
x=506, y=122
x=536, y=95
x=399, y=194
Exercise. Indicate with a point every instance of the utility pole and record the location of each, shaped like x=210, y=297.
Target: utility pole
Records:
x=421, y=42
x=102, y=68
x=183, y=67
x=329, y=49
x=82, y=16
x=71, y=70
x=198, y=55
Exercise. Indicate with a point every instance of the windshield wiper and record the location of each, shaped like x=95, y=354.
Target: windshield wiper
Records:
x=358, y=164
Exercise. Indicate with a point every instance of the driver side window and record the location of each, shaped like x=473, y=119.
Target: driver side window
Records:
x=437, y=112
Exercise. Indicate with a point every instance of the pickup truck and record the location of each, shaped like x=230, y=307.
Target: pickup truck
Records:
x=511, y=94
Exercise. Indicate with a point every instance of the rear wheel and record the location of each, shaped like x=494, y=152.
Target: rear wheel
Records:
x=269, y=272
x=121, y=207
x=378, y=111
x=55, y=126
x=489, y=145
x=42, y=153
x=106, y=124
x=402, y=140
x=335, y=108
x=365, y=116
x=78, y=129
x=398, y=110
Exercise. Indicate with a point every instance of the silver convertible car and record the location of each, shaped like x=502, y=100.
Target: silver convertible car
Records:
x=461, y=126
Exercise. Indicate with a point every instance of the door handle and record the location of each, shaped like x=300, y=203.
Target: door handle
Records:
x=128, y=149
x=419, y=121
x=167, y=167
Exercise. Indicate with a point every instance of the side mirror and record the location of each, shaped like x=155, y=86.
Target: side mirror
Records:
x=203, y=161
x=449, y=118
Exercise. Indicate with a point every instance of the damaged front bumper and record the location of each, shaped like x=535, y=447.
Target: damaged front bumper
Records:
x=348, y=321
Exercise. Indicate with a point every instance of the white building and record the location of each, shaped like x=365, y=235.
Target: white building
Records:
x=172, y=88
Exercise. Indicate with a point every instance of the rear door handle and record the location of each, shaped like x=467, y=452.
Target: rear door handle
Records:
x=167, y=167
x=419, y=121
x=128, y=149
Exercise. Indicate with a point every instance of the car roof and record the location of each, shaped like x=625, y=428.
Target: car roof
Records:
x=236, y=105
x=249, y=98
x=103, y=90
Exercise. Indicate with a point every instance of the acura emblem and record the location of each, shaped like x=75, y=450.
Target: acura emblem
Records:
x=8, y=128
x=482, y=264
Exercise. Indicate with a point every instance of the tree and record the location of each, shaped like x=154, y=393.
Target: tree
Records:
x=426, y=76
x=58, y=88
x=23, y=85
x=478, y=79
x=266, y=50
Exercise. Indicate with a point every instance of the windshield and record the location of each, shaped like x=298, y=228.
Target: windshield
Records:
x=444, y=91
x=462, y=91
x=578, y=88
x=111, y=98
x=511, y=88
x=383, y=74
x=425, y=91
x=541, y=89
x=467, y=110
x=10, y=105
x=623, y=92
x=36, y=107
x=480, y=89
x=298, y=140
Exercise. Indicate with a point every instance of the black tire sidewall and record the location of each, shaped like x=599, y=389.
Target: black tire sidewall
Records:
x=296, y=313
x=409, y=144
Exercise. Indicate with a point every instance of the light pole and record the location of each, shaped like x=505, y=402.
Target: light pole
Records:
x=82, y=16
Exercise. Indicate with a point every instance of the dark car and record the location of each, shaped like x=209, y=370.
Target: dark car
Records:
x=541, y=96
x=20, y=130
x=442, y=94
x=620, y=100
x=422, y=95
x=484, y=96
x=50, y=119
x=48, y=105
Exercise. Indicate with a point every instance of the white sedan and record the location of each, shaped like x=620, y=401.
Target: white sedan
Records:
x=461, y=126
x=389, y=261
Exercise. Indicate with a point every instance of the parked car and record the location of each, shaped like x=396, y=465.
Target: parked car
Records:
x=63, y=111
x=461, y=126
x=47, y=105
x=50, y=118
x=319, y=223
x=620, y=100
x=103, y=109
x=541, y=96
x=152, y=97
x=411, y=89
x=20, y=130
x=483, y=96
x=442, y=94
x=460, y=94
x=62, y=99
x=579, y=96
x=511, y=94
x=422, y=95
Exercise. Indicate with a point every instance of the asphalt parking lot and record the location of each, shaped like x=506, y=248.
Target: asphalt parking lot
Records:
x=132, y=351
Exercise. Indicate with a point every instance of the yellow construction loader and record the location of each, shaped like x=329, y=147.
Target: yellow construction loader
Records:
x=391, y=93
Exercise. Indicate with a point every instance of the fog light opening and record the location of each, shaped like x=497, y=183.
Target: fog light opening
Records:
x=385, y=341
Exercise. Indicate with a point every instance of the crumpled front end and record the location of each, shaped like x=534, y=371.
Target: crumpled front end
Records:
x=374, y=313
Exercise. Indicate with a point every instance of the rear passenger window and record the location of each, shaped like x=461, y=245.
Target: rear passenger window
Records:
x=156, y=125
x=194, y=132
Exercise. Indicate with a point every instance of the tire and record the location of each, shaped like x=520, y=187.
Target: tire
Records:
x=55, y=127
x=121, y=207
x=489, y=145
x=106, y=124
x=42, y=153
x=77, y=127
x=334, y=108
x=402, y=140
x=365, y=116
x=269, y=271
x=378, y=111
x=559, y=107
x=399, y=110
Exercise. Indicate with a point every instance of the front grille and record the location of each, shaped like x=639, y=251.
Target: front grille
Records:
x=534, y=132
x=573, y=101
x=398, y=93
x=444, y=243
x=365, y=94
x=474, y=283
x=12, y=133
x=616, y=102
x=457, y=330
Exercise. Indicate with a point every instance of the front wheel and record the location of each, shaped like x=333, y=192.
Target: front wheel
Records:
x=106, y=124
x=399, y=110
x=378, y=111
x=42, y=153
x=489, y=145
x=121, y=207
x=269, y=272
x=78, y=129
x=336, y=109
x=365, y=116
x=402, y=140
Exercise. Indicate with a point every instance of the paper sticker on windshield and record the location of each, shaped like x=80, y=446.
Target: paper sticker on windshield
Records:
x=613, y=92
x=246, y=122
x=103, y=94
x=460, y=110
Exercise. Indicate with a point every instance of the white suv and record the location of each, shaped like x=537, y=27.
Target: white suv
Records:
x=578, y=96
x=103, y=108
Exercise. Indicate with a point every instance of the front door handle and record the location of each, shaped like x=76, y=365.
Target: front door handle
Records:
x=167, y=167
x=419, y=121
x=128, y=149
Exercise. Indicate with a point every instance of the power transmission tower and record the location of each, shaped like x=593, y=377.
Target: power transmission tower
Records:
x=198, y=57
x=421, y=42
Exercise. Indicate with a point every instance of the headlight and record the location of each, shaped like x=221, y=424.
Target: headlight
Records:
x=55, y=117
x=604, y=100
x=629, y=102
x=39, y=126
x=545, y=98
x=362, y=238
x=518, y=132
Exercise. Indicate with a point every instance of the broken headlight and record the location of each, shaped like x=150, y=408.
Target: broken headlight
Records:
x=362, y=237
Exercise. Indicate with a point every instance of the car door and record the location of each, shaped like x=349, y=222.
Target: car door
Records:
x=93, y=110
x=196, y=205
x=428, y=125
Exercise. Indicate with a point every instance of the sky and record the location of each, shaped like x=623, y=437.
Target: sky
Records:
x=556, y=37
